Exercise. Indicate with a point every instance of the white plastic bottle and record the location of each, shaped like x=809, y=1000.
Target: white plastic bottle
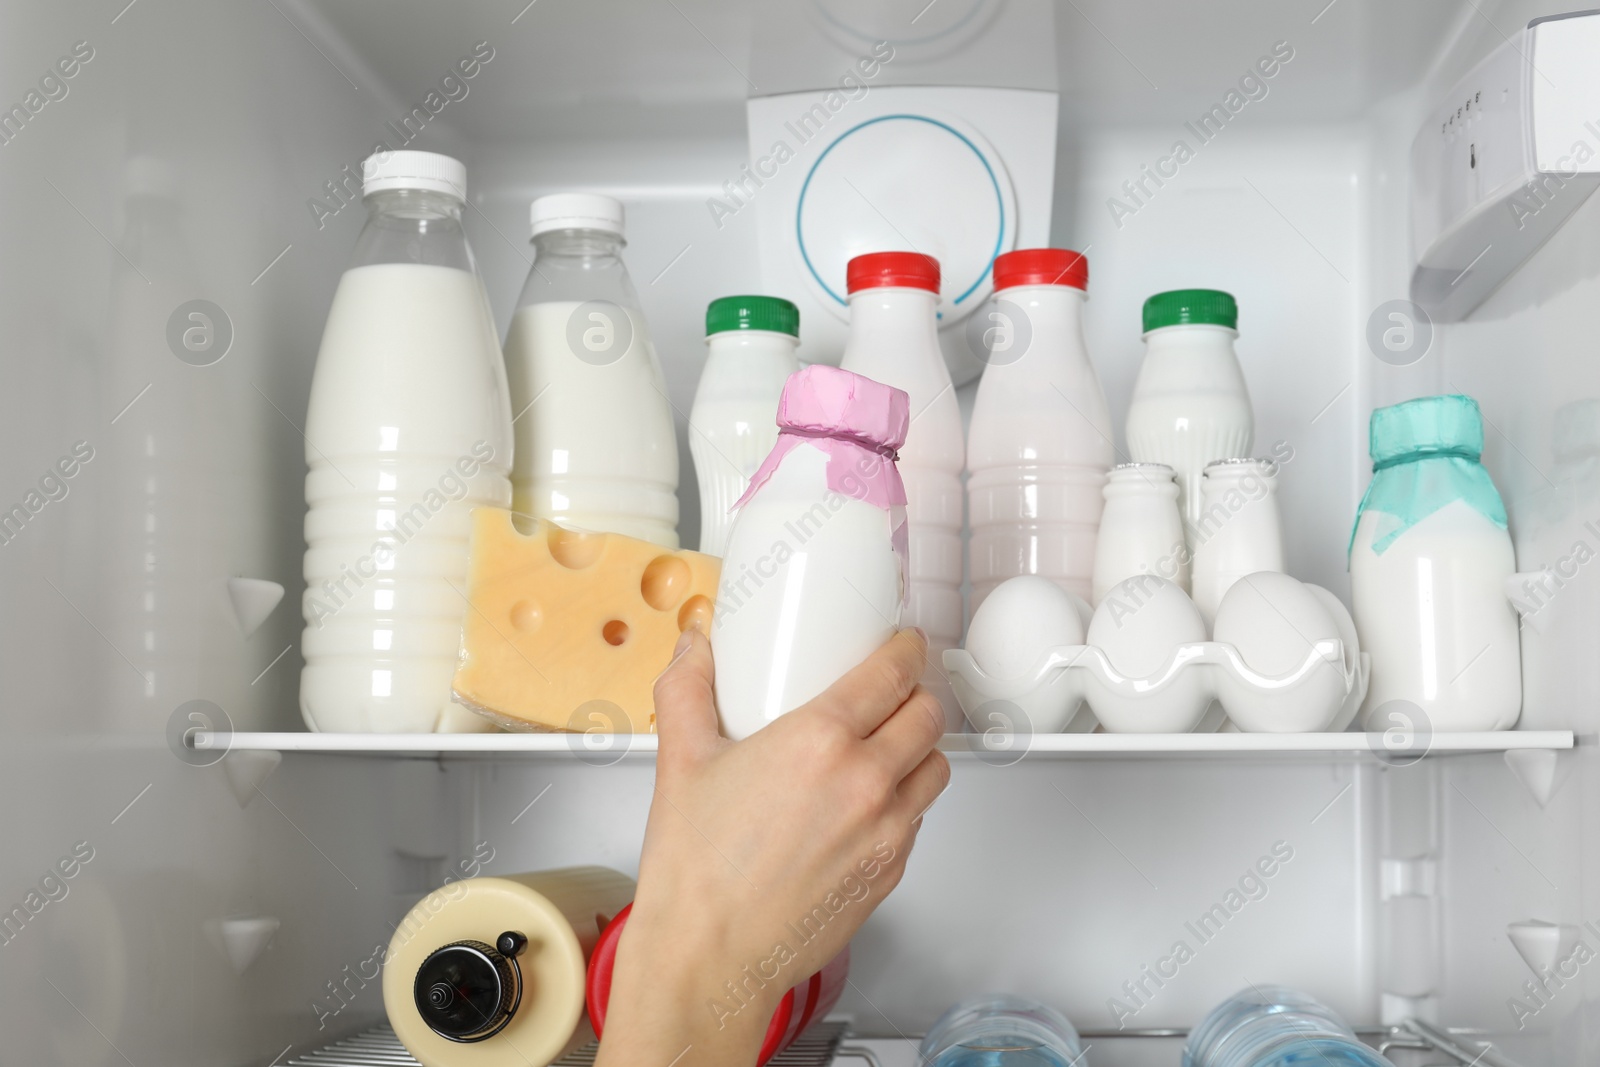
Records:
x=408, y=430
x=1429, y=563
x=814, y=577
x=733, y=425
x=1190, y=405
x=1140, y=532
x=1040, y=441
x=894, y=339
x=596, y=447
x=1238, y=531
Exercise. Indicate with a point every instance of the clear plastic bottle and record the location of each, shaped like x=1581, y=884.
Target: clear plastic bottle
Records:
x=751, y=343
x=1040, y=441
x=894, y=339
x=408, y=430
x=1000, y=1030
x=1190, y=405
x=596, y=447
x=1272, y=1026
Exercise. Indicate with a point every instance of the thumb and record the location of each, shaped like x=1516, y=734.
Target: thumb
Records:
x=686, y=710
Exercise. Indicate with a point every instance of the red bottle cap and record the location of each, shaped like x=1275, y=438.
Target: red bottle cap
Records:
x=1041, y=266
x=898, y=270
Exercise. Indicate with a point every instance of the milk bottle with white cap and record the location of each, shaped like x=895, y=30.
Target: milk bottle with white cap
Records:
x=408, y=429
x=596, y=448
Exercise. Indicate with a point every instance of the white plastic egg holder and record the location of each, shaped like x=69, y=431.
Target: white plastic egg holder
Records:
x=1071, y=687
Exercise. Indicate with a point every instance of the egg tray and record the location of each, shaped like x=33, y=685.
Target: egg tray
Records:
x=1074, y=688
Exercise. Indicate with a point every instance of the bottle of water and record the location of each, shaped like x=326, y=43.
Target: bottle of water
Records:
x=1272, y=1026
x=1000, y=1030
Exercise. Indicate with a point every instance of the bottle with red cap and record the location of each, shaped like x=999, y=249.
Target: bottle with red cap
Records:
x=894, y=338
x=1040, y=441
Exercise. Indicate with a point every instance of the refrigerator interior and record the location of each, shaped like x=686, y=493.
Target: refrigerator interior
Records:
x=196, y=155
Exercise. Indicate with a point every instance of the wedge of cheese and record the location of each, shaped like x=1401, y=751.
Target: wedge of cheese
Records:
x=568, y=630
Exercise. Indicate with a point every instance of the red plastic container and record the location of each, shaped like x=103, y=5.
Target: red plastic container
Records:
x=805, y=1003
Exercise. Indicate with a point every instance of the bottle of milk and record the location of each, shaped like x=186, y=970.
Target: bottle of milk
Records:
x=596, y=447
x=814, y=576
x=750, y=343
x=1040, y=441
x=1140, y=531
x=894, y=339
x=1190, y=405
x=1239, y=532
x=1429, y=558
x=409, y=429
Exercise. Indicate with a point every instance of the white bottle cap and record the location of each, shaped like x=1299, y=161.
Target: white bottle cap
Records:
x=575, y=211
x=414, y=170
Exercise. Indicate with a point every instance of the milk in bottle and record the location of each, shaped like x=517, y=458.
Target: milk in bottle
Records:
x=1430, y=556
x=1190, y=405
x=1040, y=442
x=894, y=339
x=596, y=448
x=814, y=576
x=751, y=343
x=408, y=430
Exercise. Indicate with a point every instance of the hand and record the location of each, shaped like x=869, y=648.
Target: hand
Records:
x=763, y=857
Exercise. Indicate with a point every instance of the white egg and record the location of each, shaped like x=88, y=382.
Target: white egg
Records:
x=1273, y=621
x=1017, y=623
x=1141, y=621
x=1341, y=615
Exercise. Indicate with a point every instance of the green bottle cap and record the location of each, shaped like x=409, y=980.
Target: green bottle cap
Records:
x=1191, y=307
x=752, y=313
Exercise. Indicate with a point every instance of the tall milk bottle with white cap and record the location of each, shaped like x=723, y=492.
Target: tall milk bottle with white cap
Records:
x=894, y=339
x=1040, y=442
x=408, y=430
x=596, y=448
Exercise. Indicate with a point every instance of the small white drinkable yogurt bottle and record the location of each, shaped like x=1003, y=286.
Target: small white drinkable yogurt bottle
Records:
x=815, y=571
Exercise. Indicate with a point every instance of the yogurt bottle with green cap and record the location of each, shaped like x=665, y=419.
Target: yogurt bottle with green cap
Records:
x=750, y=343
x=1430, y=556
x=1190, y=405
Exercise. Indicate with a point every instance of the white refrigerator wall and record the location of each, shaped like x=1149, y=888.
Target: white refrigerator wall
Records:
x=1063, y=880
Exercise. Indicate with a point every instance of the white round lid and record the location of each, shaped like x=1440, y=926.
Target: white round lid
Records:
x=414, y=170
x=576, y=211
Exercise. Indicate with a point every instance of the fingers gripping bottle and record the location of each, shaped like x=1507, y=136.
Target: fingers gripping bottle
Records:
x=894, y=339
x=408, y=430
x=814, y=574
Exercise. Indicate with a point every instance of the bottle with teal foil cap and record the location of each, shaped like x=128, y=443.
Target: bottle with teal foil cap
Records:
x=1430, y=560
x=1273, y=1026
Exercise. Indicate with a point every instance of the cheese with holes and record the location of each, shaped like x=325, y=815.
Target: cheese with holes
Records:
x=568, y=630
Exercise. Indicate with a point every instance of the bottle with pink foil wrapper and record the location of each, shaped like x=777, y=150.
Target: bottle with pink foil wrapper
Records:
x=814, y=576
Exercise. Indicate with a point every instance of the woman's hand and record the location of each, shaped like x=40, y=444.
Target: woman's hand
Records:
x=762, y=857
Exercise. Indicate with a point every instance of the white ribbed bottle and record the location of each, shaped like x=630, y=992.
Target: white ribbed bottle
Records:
x=894, y=339
x=408, y=429
x=750, y=343
x=1190, y=405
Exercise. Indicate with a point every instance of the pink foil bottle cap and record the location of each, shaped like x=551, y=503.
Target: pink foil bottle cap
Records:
x=823, y=401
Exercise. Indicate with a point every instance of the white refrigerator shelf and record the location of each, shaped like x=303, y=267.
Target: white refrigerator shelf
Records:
x=1003, y=749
